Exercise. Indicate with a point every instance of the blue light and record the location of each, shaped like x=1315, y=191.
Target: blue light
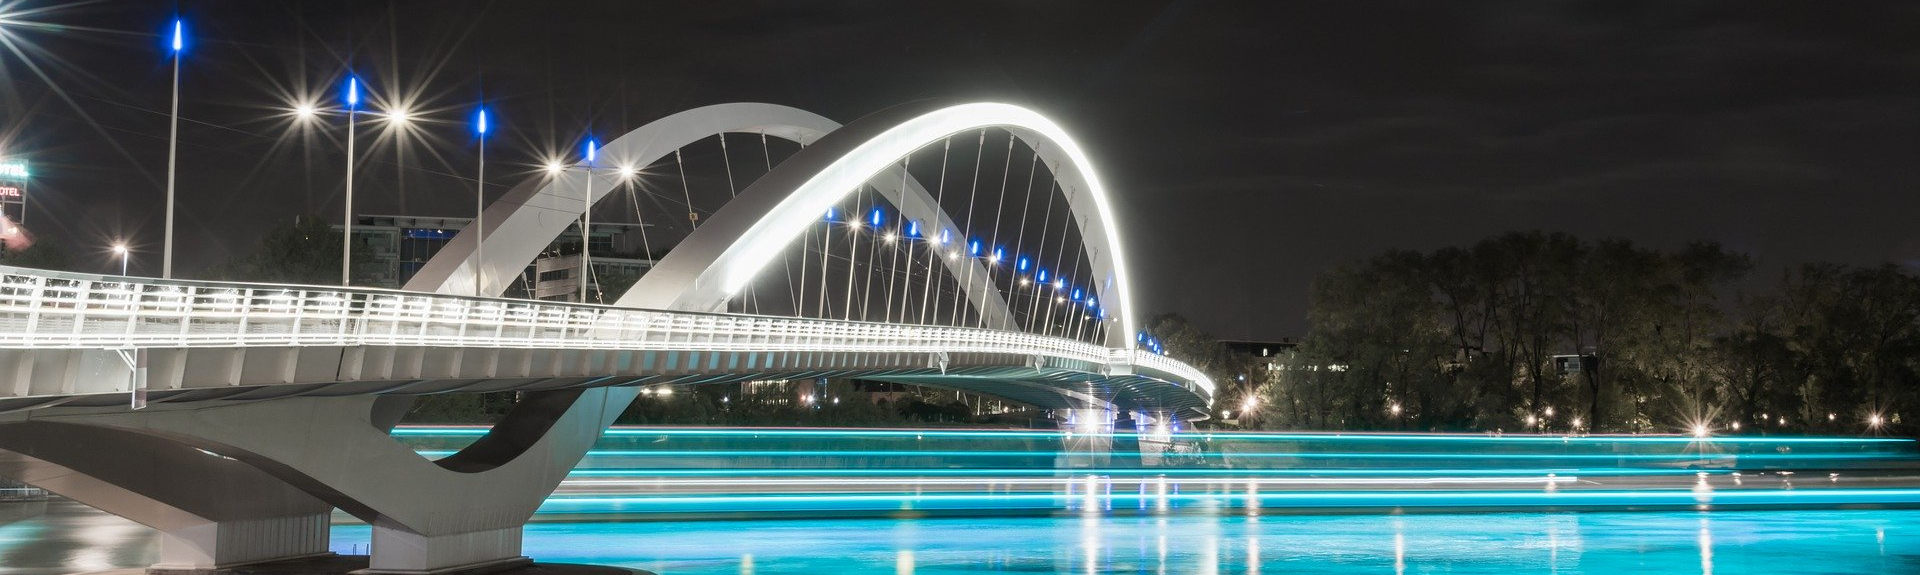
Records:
x=480, y=122
x=1042, y=276
x=831, y=210
x=1023, y=264
x=179, y=36
x=1141, y=337
x=999, y=253
x=1076, y=294
x=592, y=147
x=973, y=247
x=353, y=92
x=877, y=218
x=913, y=228
x=1093, y=302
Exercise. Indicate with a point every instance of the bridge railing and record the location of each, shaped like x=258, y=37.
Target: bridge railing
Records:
x=40, y=309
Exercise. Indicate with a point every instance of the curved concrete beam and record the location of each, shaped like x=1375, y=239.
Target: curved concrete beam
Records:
x=525, y=220
x=724, y=254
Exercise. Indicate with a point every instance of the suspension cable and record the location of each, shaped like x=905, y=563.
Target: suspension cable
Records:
x=993, y=247
x=853, y=252
x=1060, y=255
x=785, y=261
x=966, y=241
x=1020, y=240
x=1039, y=283
x=900, y=231
x=939, y=207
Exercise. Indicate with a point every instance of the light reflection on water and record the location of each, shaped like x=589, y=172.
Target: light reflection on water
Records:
x=69, y=537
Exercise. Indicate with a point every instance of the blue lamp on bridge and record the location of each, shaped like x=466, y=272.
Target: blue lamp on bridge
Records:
x=1021, y=266
x=1041, y=276
x=831, y=211
x=877, y=217
x=973, y=247
x=913, y=228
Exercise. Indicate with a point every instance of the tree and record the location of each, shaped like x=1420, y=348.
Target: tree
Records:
x=305, y=252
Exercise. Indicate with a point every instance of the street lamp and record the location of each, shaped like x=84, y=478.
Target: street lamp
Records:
x=586, y=223
x=346, y=238
x=120, y=249
x=480, y=209
x=173, y=146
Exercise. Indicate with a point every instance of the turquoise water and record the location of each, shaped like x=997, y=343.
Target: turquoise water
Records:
x=1686, y=542
x=791, y=501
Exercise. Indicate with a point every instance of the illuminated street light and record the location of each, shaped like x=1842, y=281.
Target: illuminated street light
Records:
x=554, y=168
x=346, y=236
x=120, y=249
x=305, y=112
x=586, y=222
x=400, y=117
x=1700, y=430
x=480, y=208
x=1874, y=420
x=179, y=45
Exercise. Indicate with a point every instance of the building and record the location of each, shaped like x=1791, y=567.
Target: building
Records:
x=398, y=246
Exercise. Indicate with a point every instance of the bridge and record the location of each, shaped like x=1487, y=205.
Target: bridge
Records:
x=236, y=417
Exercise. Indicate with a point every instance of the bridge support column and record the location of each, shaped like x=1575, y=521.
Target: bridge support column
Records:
x=275, y=468
x=399, y=551
x=218, y=545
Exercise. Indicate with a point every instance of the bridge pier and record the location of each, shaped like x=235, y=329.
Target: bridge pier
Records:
x=400, y=551
x=217, y=545
x=240, y=483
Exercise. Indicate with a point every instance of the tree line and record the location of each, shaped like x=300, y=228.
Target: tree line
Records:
x=1532, y=331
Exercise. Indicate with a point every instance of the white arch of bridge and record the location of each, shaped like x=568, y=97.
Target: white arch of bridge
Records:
x=722, y=255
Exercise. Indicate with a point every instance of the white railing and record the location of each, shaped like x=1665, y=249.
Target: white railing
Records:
x=41, y=309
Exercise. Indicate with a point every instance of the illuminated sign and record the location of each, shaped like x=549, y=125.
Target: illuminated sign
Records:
x=13, y=169
x=11, y=193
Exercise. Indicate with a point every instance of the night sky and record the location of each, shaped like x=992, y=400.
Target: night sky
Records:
x=1252, y=145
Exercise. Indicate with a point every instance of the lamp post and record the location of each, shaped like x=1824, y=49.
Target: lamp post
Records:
x=586, y=224
x=480, y=210
x=173, y=147
x=346, y=237
x=120, y=249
